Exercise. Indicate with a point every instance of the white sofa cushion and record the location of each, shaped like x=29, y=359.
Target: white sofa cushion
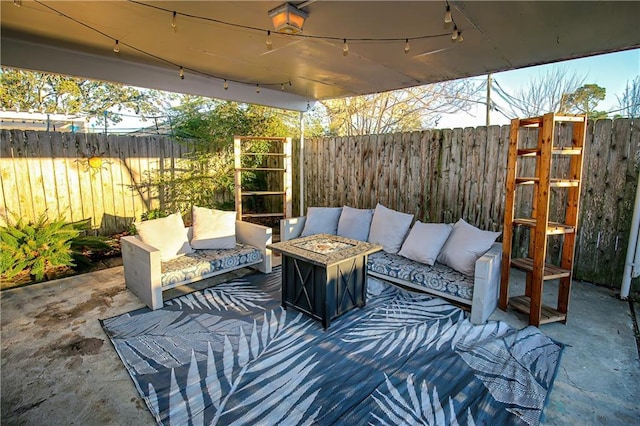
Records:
x=424, y=242
x=389, y=228
x=166, y=234
x=321, y=220
x=355, y=223
x=213, y=229
x=465, y=245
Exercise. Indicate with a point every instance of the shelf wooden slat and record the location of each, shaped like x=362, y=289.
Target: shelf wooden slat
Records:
x=264, y=169
x=555, y=182
x=551, y=272
x=531, y=121
x=548, y=314
x=569, y=118
x=268, y=154
x=571, y=150
x=553, y=228
x=558, y=118
x=263, y=193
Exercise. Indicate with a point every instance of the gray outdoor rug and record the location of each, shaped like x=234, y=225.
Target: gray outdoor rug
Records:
x=231, y=355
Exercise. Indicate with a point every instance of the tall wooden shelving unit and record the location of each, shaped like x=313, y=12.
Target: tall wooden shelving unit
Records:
x=540, y=227
x=278, y=162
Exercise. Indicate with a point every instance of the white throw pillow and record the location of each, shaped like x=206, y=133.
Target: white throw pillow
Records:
x=167, y=234
x=424, y=242
x=213, y=229
x=321, y=220
x=389, y=227
x=355, y=223
x=465, y=246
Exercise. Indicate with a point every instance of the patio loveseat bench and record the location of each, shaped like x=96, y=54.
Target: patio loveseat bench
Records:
x=477, y=288
x=147, y=275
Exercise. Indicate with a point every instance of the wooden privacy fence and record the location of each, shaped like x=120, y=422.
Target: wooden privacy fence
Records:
x=79, y=176
x=444, y=175
x=438, y=175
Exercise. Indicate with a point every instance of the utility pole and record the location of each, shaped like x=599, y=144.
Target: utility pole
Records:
x=488, y=100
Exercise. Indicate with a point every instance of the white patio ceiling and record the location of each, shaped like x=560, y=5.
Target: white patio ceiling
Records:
x=497, y=36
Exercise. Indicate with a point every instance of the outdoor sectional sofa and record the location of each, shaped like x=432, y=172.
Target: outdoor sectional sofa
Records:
x=477, y=288
x=147, y=274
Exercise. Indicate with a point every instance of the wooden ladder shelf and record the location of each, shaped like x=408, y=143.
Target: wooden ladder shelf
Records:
x=276, y=163
x=535, y=265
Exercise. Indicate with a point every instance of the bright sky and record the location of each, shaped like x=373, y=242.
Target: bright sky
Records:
x=611, y=71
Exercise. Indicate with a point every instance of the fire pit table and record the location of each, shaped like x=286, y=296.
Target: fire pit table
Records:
x=324, y=276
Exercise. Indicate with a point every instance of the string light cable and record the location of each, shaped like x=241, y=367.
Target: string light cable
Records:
x=175, y=14
x=182, y=69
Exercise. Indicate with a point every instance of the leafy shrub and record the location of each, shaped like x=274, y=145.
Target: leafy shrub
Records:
x=43, y=245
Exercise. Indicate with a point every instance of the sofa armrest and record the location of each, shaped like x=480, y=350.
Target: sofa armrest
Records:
x=486, y=284
x=291, y=228
x=142, y=271
x=257, y=236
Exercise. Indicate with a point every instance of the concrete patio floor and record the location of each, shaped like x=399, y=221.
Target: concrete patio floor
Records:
x=58, y=366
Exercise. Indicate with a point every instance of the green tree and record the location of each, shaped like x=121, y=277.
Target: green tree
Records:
x=584, y=100
x=42, y=92
x=212, y=124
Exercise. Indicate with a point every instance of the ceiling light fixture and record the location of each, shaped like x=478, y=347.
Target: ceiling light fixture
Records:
x=345, y=48
x=181, y=73
x=225, y=86
x=406, y=46
x=287, y=19
x=116, y=47
x=173, y=21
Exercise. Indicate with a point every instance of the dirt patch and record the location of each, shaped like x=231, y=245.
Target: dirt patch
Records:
x=100, y=299
x=70, y=348
x=83, y=346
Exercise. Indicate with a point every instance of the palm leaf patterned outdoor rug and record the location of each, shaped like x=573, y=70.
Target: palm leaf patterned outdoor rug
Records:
x=231, y=355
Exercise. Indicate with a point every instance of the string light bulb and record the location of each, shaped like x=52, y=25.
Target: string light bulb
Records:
x=225, y=86
x=257, y=88
x=455, y=33
x=269, y=42
x=282, y=86
x=447, y=15
x=174, y=24
x=406, y=46
x=116, y=47
x=345, y=48
x=17, y=3
x=181, y=73
x=460, y=38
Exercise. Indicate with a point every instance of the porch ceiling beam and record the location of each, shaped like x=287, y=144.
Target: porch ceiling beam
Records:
x=37, y=56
